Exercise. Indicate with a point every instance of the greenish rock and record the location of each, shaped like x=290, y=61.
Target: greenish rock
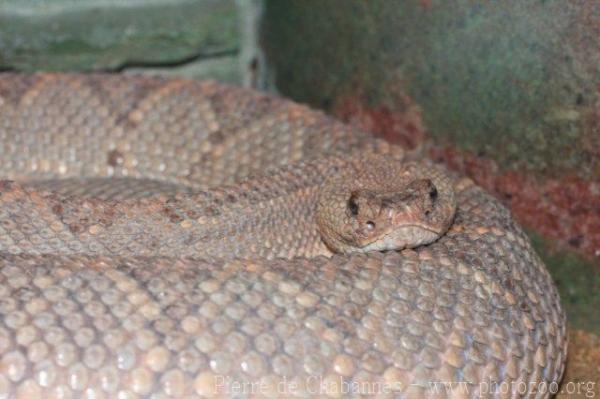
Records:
x=578, y=282
x=515, y=80
x=114, y=35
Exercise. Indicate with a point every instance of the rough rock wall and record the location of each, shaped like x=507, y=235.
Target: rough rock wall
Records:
x=195, y=38
x=513, y=80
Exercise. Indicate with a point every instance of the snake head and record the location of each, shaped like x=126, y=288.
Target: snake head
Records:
x=382, y=204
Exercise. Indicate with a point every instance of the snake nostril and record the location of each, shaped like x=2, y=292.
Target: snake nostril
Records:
x=353, y=204
x=433, y=193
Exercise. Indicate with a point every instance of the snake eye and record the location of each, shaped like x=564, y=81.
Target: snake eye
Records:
x=370, y=225
x=353, y=205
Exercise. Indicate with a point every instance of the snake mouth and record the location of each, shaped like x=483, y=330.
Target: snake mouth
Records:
x=406, y=236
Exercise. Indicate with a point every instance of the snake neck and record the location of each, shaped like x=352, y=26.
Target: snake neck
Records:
x=248, y=220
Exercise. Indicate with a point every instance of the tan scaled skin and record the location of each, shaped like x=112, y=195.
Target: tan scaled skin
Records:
x=146, y=289
x=377, y=203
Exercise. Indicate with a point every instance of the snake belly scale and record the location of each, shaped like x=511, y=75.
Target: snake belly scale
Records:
x=171, y=238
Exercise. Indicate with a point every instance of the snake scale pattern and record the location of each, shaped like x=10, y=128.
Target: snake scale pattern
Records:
x=154, y=242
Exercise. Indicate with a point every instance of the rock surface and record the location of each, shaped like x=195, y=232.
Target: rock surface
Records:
x=582, y=377
x=514, y=80
x=111, y=34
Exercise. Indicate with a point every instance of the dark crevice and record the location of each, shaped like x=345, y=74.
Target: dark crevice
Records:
x=152, y=64
x=176, y=63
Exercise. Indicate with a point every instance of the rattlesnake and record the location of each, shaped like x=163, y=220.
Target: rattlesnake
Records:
x=176, y=238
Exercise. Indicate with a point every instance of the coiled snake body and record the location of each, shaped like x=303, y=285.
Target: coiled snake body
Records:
x=169, y=238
